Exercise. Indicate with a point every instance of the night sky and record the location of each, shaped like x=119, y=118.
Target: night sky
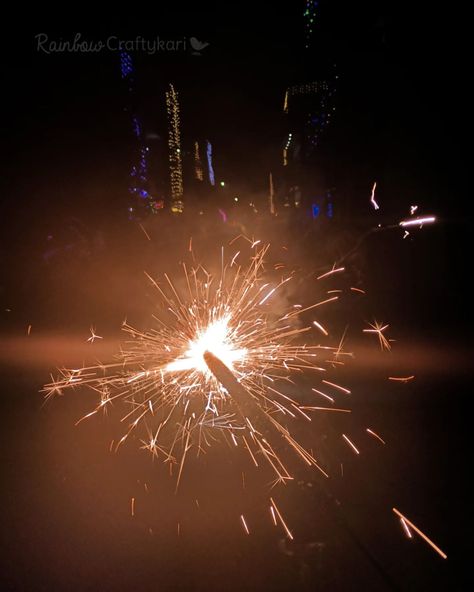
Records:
x=400, y=111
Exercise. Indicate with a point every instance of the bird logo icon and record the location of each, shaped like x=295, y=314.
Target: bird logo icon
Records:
x=197, y=45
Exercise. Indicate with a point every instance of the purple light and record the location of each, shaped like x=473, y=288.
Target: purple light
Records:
x=212, y=179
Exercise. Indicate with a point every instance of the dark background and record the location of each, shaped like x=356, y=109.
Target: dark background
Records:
x=402, y=119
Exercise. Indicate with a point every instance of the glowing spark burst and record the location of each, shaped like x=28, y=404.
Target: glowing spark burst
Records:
x=215, y=338
x=216, y=364
x=219, y=366
x=93, y=336
x=378, y=329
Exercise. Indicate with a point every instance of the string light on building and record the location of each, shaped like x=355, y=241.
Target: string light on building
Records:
x=271, y=195
x=307, y=88
x=198, y=172
x=286, y=148
x=138, y=187
x=174, y=147
x=316, y=100
x=126, y=65
x=310, y=18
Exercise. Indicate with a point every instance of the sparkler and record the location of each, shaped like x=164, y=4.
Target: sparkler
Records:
x=217, y=364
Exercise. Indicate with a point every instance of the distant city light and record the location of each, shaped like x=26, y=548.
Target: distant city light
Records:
x=174, y=145
x=222, y=184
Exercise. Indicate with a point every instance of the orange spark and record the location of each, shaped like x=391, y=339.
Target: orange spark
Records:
x=145, y=232
x=287, y=530
x=372, y=433
x=406, y=529
x=378, y=329
x=321, y=328
x=330, y=272
x=419, y=532
x=337, y=386
x=244, y=524
x=93, y=336
x=351, y=444
x=402, y=378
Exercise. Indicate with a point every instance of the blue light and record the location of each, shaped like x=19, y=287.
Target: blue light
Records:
x=315, y=210
x=137, y=130
x=212, y=179
x=330, y=210
x=126, y=66
x=139, y=168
